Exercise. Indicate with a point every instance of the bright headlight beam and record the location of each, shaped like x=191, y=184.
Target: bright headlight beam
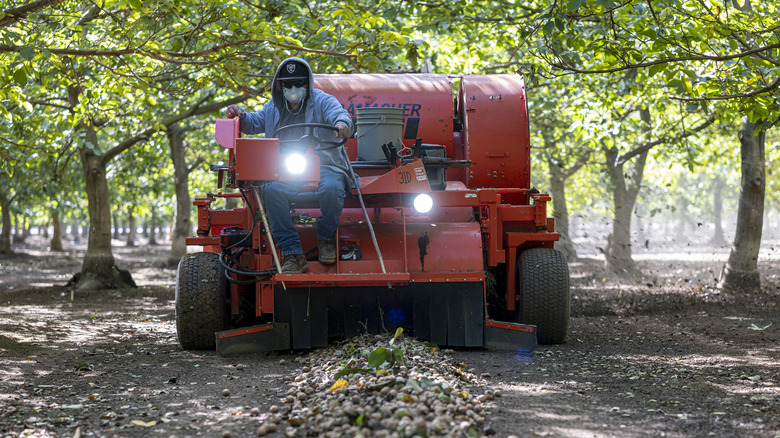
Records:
x=423, y=203
x=296, y=164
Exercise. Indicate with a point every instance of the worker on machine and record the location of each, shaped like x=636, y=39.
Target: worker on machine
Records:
x=294, y=100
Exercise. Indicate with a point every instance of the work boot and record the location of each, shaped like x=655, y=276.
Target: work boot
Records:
x=294, y=264
x=327, y=249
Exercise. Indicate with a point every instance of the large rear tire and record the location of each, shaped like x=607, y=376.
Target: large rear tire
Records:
x=543, y=288
x=201, y=300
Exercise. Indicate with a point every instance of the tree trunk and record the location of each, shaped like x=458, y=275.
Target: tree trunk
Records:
x=741, y=270
x=98, y=270
x=132, y=225
x=682, y=219
x=182, y=225
x=5, y=238
x=116, y=225
x=56, y=236
x=641, y=232
x=152, y=227
x=26, y=229
x=718, y=239
x=618, y=255
x=560, y=211
x=76, y=230
x=17, y=229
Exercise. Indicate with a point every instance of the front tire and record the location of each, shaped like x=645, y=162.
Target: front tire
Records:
x=201, y=300
x=544, y=293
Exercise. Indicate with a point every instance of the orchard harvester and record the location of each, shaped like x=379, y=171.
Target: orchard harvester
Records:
x=443, y=236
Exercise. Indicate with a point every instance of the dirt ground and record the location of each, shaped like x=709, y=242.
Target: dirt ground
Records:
x=664, y=356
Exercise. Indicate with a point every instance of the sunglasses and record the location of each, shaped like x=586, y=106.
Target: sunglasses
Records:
x=294, y=83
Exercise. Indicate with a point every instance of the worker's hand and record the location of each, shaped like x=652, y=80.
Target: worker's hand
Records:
x=344, y=130
x=232, y=111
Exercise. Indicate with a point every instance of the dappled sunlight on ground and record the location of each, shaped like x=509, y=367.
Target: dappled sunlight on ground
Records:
x=666, y=353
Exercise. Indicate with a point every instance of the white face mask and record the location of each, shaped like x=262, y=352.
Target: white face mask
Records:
x=295, y=95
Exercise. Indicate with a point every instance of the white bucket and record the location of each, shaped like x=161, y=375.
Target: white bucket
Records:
x=377, y=126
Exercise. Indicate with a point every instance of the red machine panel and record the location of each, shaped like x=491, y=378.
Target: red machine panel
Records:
x=425, y=98
x=494, y=113
x=258, y=159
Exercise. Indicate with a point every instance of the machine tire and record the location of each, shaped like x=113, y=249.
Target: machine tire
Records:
x=543, y=288
x=201, y=297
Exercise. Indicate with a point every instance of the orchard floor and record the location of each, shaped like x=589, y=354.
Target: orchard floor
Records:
x=667, y=355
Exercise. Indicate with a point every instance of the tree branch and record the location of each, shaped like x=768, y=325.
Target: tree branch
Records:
x=750, y=52
x=174, y=57
x=649, y=145
x=197, y=163
x=764, y=89
x=196, y=109
x=582, y=159
x=12, y=15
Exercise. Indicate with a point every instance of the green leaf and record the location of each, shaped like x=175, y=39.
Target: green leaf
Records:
x=398, y=333
x=426, y=383
x=548, y=27
x=136, y=5
x=398, y=356
x=574, y=5
x=687, y=84
x=27, y=53
x=347, y=371
x=20, y=77
x=654, y=69
x=413, y=384
x=560, y=24
x=377, y=357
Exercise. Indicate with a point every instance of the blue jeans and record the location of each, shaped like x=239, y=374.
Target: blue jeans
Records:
x=331, y=191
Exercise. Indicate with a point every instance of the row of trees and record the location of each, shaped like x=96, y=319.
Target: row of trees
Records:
x=121, y=90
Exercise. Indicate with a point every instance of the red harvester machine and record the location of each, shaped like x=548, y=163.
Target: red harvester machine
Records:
x=476, y=270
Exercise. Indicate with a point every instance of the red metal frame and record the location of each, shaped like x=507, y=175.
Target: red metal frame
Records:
x=485, y=217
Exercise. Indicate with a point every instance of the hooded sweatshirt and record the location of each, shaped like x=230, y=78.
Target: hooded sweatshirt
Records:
x=320, y=107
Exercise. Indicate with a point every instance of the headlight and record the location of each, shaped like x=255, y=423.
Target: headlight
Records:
x=296, y=164
x=423, y=203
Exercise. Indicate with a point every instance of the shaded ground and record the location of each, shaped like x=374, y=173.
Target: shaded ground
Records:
x=666, y=355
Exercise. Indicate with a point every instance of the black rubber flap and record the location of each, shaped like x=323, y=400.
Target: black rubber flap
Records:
x=510, y=336
x=254, y=339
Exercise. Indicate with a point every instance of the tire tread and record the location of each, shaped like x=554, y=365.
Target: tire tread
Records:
x=544, y=287
x=201, y=293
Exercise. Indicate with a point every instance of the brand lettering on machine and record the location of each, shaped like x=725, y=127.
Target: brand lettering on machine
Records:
x=411, y=115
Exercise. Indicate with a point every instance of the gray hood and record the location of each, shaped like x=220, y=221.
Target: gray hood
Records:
x=277, y=94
